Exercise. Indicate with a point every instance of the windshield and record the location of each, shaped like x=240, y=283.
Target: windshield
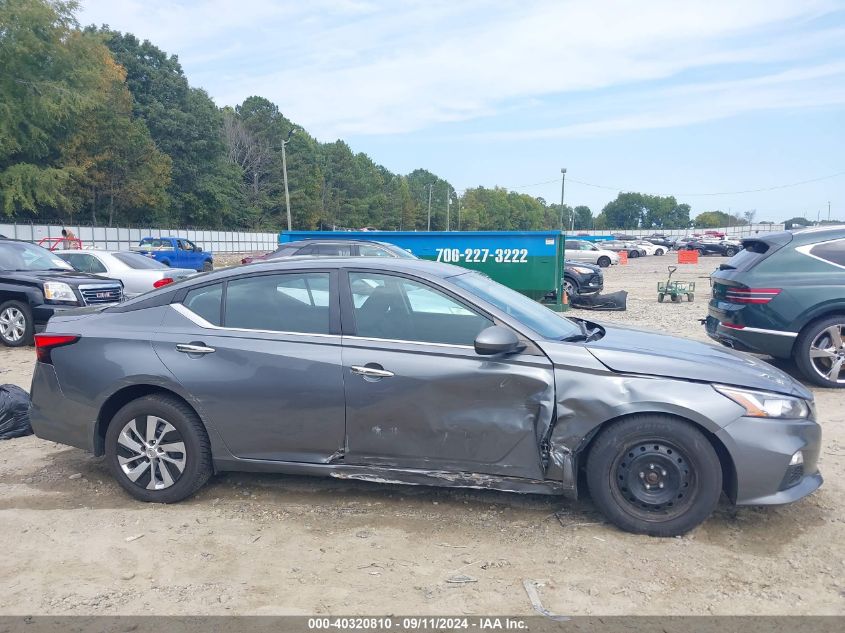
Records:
x=546, y=323
x=138, y=262
x=400, y=252
x=23, y=256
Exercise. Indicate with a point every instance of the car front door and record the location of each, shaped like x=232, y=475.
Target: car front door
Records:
x=261, y=354
x=418, y=396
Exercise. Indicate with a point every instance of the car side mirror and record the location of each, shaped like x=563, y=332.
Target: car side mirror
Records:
x=497, y=340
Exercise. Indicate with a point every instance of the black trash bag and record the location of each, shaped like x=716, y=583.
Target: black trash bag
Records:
x=613, y=301
x=14, y=412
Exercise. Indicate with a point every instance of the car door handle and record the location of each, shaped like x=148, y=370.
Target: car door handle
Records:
x=194, y=348
x=371, y=372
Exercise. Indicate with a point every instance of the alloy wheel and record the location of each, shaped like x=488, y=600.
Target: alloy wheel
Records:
x=827, y=353
x=151, y=452
x=654, y=480
x=12, y=324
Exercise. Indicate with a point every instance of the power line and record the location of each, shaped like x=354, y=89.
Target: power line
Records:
x=721, y=193
x=716, y=193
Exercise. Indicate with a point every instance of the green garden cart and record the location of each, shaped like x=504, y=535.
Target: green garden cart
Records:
x=675, y=289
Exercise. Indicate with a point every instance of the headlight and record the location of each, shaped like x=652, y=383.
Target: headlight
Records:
x=58, y=291
x=582, y=270
x=762, y=404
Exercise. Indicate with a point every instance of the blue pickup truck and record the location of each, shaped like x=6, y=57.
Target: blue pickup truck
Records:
x=176, y=252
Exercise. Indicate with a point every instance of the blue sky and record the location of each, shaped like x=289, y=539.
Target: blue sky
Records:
x=671, y=97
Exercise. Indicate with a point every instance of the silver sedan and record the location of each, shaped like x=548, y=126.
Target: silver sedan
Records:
x=139, y=274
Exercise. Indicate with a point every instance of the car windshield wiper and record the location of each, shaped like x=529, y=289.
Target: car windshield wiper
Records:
x=586, y=335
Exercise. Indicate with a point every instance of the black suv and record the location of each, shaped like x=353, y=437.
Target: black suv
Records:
x=784, y=295
x=35, y=284
x=712, y=247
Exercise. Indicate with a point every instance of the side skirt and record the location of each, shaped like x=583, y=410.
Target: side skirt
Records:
x=406, y=476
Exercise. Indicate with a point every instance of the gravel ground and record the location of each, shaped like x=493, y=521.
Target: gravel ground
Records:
x=73, y=543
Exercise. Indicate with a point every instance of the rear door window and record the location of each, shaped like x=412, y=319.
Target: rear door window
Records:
x=288, y=302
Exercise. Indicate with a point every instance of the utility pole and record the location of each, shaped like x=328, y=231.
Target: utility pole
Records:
x=562, y=186
x=458, y=208
x=448, y=204
x=429, y=206
x=285, y=172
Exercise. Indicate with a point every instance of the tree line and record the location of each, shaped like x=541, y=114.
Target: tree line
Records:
x=99, y=127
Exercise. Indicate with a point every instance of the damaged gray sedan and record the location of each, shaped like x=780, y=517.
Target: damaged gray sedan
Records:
x=413, y=372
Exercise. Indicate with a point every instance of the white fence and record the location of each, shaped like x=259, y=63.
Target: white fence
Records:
x=730, y=231
x=119, y=238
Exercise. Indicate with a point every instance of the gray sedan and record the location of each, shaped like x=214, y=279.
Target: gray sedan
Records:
x=415, y=372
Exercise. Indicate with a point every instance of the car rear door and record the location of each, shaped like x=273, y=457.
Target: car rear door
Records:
x=418, y=396
x=261, y=353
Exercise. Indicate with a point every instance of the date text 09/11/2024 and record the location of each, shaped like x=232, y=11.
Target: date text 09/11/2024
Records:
x=422, y=623
x=480, y=255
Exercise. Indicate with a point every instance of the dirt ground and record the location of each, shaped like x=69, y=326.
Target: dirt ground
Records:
x=73, y=543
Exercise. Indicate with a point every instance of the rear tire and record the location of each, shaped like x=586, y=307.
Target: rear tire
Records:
x=16, y=324
x=659, y=252
x=655, y=475
x=660, y=297
x=701, y=252
x=603, y=262
x=158, y=450
x=820, y=354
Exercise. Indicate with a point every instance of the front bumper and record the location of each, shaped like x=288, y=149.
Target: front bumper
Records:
x=761, y=450
x=750, y=339
x=591, y=284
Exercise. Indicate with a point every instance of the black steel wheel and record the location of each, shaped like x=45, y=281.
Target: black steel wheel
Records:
x=158, y=450
x=654, y=475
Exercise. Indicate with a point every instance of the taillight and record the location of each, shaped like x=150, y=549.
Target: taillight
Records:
x=45, y=343
x=751, y=295
x=162, y=282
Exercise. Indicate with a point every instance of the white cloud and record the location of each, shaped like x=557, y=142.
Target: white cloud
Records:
x=357, y=67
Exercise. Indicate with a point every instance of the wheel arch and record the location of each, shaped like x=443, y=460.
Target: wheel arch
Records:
x=120, y=399
x=729, y=476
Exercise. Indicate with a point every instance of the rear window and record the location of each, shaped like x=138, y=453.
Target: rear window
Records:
x=154, y=242
x=138, y=262
x=753, y=253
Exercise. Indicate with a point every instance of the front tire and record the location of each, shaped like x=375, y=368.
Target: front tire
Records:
x=730, y=252
x=634, y=254
x=655, y=475
x=570, y=287
x=158, y=450
x=16, y=324
x=207, y=266
x=820, y=352
x=604, y=261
